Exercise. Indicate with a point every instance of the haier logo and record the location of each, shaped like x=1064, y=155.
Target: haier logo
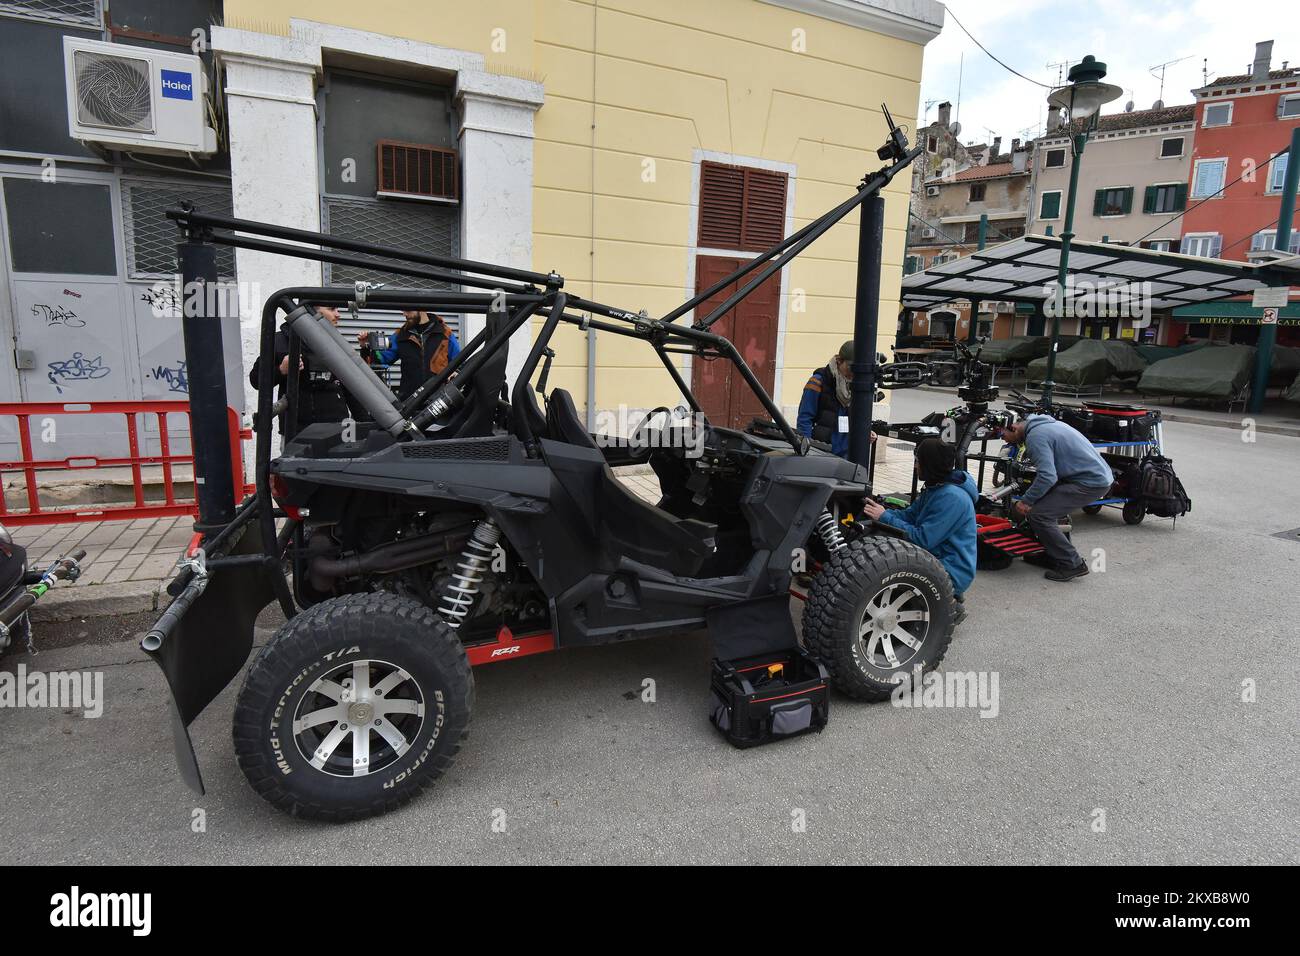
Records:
x=177, y=85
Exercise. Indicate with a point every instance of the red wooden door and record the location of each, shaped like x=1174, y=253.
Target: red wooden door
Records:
x=752, y=326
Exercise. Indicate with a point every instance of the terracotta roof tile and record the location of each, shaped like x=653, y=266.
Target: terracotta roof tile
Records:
x=1137, y=119
x=1246, y=78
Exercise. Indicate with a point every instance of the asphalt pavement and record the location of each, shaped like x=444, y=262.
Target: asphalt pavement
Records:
x=1121, y=734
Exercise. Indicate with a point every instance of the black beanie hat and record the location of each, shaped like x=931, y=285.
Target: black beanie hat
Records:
x=937, y=460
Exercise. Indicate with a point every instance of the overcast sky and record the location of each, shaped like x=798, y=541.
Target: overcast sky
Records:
x=1129, y=36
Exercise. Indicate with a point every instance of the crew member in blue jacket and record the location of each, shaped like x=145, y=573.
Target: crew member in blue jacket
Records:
x=824, y=407
x=942, y=518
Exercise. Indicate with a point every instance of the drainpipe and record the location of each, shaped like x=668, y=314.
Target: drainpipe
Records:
x=1268, y=333
x=591, y=333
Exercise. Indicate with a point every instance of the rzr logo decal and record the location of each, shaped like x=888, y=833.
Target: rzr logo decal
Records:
x=500, y=651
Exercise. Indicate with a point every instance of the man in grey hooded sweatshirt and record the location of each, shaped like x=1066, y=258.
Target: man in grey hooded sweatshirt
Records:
x=1071, y=474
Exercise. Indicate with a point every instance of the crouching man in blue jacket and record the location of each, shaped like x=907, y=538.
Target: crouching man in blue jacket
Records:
x=942, y=518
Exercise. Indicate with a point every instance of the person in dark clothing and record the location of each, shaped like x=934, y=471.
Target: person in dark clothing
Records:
x=1070, y=474
x=422, y=347
x=824, y=408
x=321, y=396
x=942, y=518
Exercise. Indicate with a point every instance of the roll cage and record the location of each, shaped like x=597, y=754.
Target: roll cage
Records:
x=512, y=297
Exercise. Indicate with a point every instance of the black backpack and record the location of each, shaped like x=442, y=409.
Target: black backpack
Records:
x=1161, y=491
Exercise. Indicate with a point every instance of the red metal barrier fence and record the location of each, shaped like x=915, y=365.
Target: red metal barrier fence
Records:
x=170, y=505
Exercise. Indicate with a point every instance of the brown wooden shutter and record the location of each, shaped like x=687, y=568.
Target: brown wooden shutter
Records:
x=722, y=205
x=413, y=169
x=741, y=208
x=764, y=210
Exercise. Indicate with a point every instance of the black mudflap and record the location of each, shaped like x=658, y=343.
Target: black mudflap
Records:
x=203, y=638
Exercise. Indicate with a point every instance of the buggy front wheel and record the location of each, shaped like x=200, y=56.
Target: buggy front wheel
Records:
x=353, y=708
x=1134, y=512
x=879, y=612
x=1092, y=509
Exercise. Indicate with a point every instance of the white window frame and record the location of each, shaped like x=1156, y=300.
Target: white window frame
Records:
x=1282, y=102
x=1276, y=165
x=1047, y=154
x=1165, y=245
x=1043, y=195
x=1192, y=193
x=1182, y=149
x=1205, y=114
x=1199, y=236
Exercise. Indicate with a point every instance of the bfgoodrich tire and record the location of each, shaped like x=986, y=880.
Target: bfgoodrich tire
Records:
x=353, y=708
x=878, y=609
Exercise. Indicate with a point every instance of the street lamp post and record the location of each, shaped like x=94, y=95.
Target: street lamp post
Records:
x=1081, y=100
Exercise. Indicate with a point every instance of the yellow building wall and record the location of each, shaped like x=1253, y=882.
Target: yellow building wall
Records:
x=637, y=85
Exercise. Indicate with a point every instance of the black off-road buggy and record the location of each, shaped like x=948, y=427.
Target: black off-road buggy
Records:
x=467, y=525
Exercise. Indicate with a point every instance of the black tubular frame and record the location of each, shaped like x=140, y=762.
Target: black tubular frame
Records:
x=520, y=293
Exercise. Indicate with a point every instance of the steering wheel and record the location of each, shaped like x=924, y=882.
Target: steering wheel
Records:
x=641, y=453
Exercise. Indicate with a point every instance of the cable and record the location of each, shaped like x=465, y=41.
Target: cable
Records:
x=1253, y=233
x=1047, y=86
x=1206, y=199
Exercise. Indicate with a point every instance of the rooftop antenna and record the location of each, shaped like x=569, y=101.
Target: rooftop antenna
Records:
x=1205, y=71
x=1060, y=71
x=1164, y=66
x=961, y=64
x=925, y=117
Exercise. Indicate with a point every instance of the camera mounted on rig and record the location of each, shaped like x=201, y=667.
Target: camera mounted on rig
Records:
x=895, y=147
x=977, y=387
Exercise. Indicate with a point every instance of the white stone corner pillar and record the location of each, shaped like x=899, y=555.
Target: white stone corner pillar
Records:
x=274, y=171
x=496, y=146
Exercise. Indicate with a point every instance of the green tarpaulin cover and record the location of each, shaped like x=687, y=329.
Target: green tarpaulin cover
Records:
x=1090, y=362
x=1156, y=353
x=1214, y=372
x=1020, y=349
x=1286, y=362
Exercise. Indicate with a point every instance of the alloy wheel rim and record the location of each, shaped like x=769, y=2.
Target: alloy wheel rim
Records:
x=358, y=718
x=894, y=626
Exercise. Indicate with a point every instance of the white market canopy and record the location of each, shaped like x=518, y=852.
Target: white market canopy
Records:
x=1024, y=270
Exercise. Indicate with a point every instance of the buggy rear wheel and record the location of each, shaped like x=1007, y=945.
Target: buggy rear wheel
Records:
x=1134, y=512
x=353, y=708
x=879, y=612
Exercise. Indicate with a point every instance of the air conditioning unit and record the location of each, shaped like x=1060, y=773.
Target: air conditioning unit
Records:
x=136, y=99
x=927, y=233
x=932, y=190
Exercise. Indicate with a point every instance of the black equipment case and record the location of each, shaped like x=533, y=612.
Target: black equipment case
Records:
x=1121, y=423
x=756, y=700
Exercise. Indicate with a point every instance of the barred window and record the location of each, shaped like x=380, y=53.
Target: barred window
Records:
x=151, y=236
x=430, y=229
x=61, y=11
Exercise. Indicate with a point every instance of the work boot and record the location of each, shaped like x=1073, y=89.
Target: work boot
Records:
x=1066, y=573
x=958, y=610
